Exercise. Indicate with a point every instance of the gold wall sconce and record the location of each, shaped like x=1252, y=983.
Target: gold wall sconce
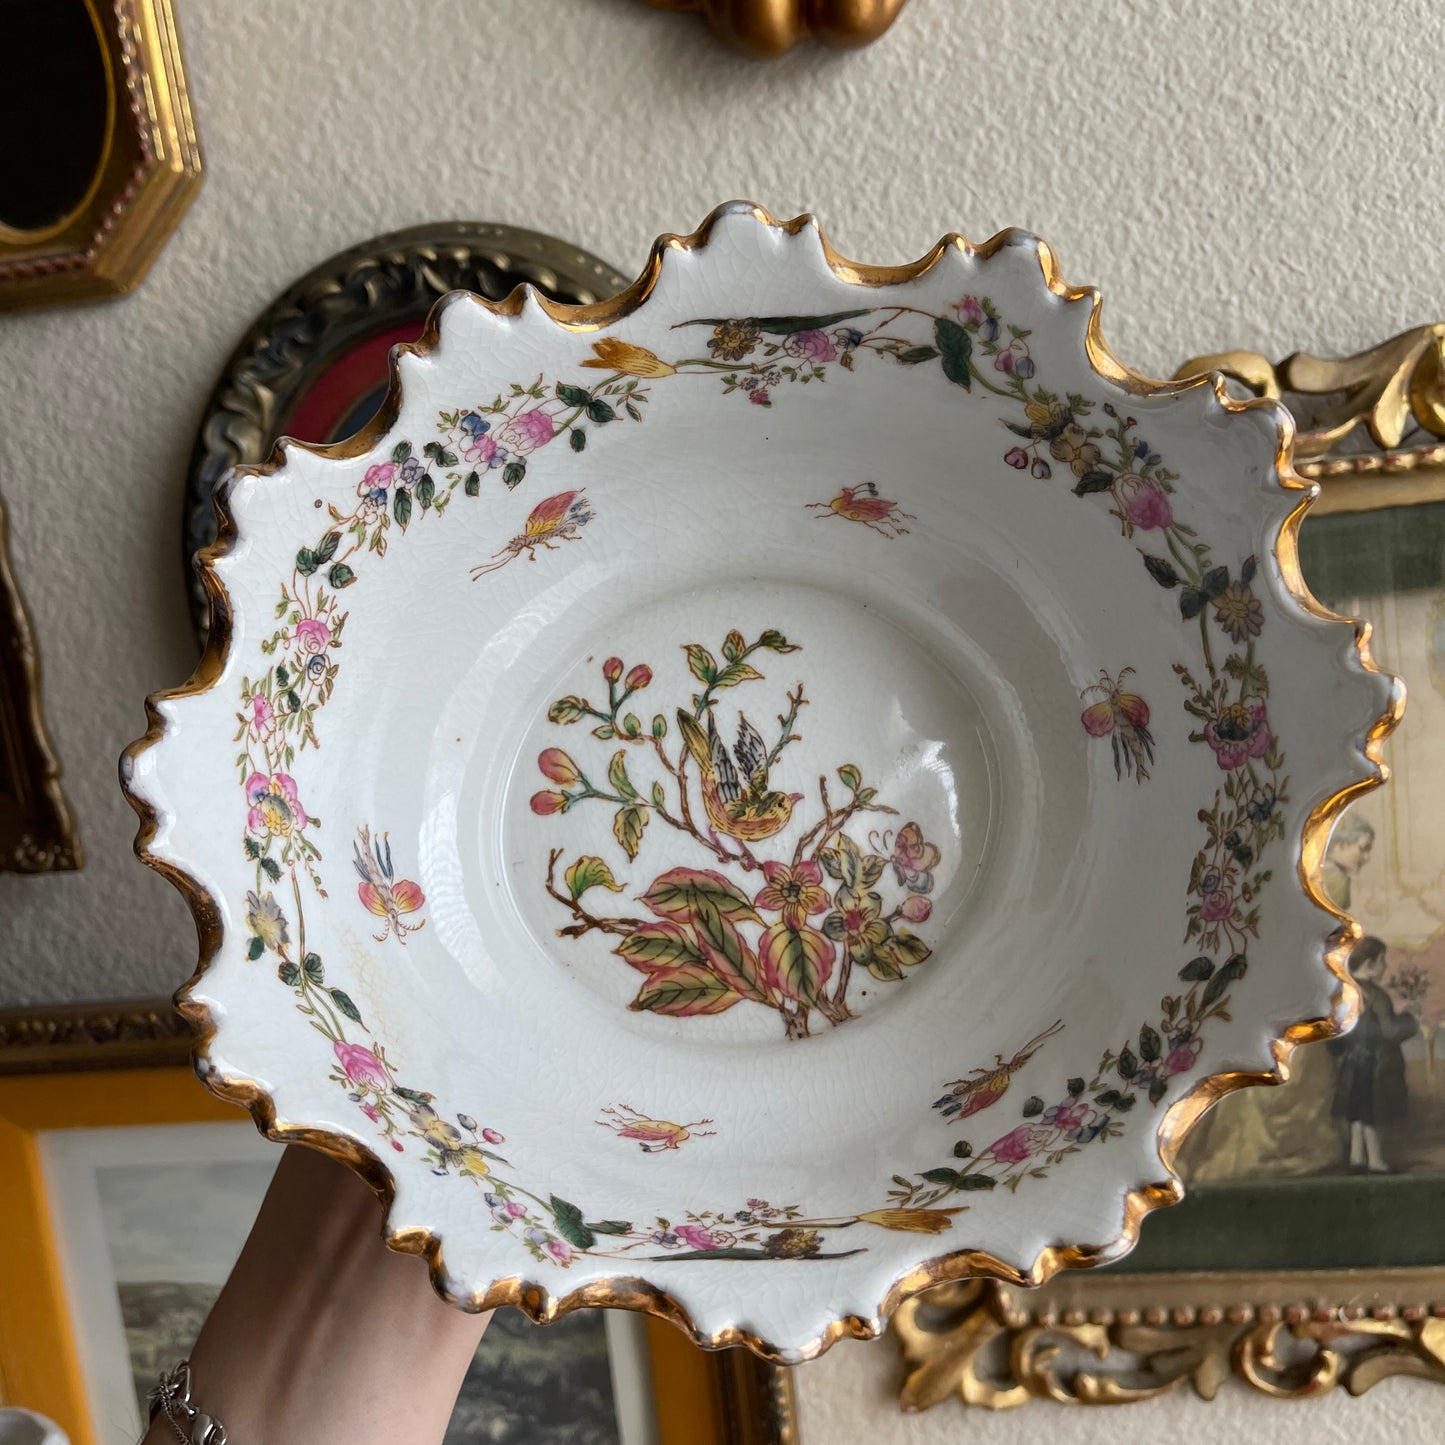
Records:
x=768, y=28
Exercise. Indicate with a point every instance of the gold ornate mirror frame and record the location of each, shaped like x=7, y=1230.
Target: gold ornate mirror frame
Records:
x=147, y=170
x=1370, y=431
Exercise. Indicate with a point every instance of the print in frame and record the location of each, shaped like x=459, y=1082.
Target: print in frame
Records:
x=1307, y=1255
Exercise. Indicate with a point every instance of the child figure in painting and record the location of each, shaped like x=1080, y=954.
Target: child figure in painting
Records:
x=1370, y=1077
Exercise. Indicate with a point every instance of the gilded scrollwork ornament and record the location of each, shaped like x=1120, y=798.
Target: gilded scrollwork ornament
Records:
x=768, y=28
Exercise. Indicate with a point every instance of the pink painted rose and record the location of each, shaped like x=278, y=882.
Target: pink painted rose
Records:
x=482, y=450
x=1145, y=503
x=275, y=808
x=916, y=909
x=1238, y=733
x=1015, y=1146
x=695, y=1235
x=970, y=312
x=493, y=1137
x=261, y=712
x=1217, y=906
x=559, y=1250
x=515, y=1210
x=1180, y=1059
x=533, y=428
x=361, y=1066
x=377, y=479
x=810, y=346
x=1067, y=1117
x=313, y=635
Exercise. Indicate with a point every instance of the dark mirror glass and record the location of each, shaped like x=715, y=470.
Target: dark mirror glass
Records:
x=54, y=109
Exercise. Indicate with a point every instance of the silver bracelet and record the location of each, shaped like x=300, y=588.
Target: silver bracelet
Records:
x=171, y=1396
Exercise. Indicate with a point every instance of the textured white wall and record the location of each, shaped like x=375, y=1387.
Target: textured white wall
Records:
x=1264, y=174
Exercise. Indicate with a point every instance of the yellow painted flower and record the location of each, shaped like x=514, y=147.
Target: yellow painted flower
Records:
x=915, y=1221
x=630, y=360
x=472, y=1162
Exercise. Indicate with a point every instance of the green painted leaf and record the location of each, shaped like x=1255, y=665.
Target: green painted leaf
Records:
x=904, y=948
x=631, y=725
x=567, y=710
x=272, y=869
x=599, y=412
x=674, y=895
x=513, y=473
x=1157, y=1090
x=1191, y=603
x=1076, y=1087
x=962, y=1149
x=401, y=507
x=426, y=489
x=590, y=872
x=1095, y=481
x=781, y=325
x=255, y=949
x=736, y=672
x=659, y=795
x=1128, y=1063
x=942, y=1176
x=1161, y=570
x=400, y=452
x=577, y=439
x=727, y=952
x=293, y=700
x=975, y=1181
x=684, y=992
x=916, y=354
x=572, y=395
x=660, y=945
x=627, y=826
x=253, y=848
x=659, y=726
x=473, y=485
x=412, y=1096
x=311, y=965
x=326, y=550
x=340, y=575
x=1196, y=969
x=617, y=774
x=1150, y=1044
x=289, y=974
x=702, y=663
x=851, y=778
x=797, y=962
x=570, y=1225
x=609, y=1226
x=342, y=1000
x=1126, y=1102
x=1033, y=1105
x=956, y=348
x=1215, y=581
x=734, y=645
x=306, y=562
x=774, y=641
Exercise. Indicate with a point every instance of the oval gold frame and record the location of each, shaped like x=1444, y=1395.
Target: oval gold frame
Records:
x=636, y=1294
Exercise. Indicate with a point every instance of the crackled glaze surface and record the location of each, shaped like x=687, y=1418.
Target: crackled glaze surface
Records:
x=804, y=771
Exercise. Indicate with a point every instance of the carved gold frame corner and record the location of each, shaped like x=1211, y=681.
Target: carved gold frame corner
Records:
x=765, y=29
x=149, y=173
x=37, y=834
x=1371, y=431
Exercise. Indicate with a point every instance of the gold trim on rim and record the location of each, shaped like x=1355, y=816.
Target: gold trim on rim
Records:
x=637, y=1294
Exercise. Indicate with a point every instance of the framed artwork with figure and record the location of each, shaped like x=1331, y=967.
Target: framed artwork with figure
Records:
x=1308, y=1253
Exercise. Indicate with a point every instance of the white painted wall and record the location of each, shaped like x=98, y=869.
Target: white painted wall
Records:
x=1264, y=173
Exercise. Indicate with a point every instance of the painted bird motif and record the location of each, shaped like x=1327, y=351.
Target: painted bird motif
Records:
x=556, y=519
x=380, y=891
x=985, y=1087
x=738, y=800
x=652, y=1135
x=863, y=504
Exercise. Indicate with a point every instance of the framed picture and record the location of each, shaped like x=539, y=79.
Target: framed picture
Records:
x=110, y=160
x=1308, y=1253
x=129, y=1193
